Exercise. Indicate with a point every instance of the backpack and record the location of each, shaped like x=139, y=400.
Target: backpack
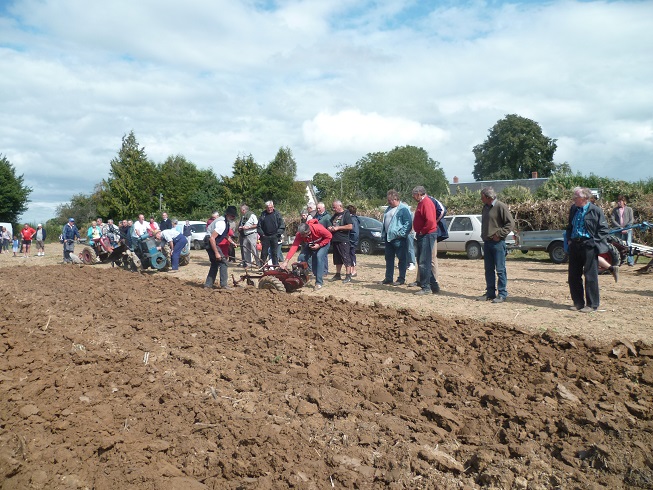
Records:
x=440, y=212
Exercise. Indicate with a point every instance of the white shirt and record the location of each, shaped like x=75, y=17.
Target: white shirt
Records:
x=140, y=228
x=169, y=235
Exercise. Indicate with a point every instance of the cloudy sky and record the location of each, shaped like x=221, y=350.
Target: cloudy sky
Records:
x=331, y=79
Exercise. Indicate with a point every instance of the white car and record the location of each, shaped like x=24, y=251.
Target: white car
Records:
x=465, y=235
x=198, y=232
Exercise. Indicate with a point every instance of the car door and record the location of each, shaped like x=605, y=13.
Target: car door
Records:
x=461, y=229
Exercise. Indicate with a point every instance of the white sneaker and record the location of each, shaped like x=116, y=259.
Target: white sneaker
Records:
x=411, y=267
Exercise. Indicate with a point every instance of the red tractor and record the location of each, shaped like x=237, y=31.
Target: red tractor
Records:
x=276, y=278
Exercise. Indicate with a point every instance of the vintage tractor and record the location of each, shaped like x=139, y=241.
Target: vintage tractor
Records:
x=276, y=278
x=101, y=251
x=146, y=255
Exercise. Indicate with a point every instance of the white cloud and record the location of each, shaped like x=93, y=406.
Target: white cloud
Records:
x=352, y=131
x=331, y=80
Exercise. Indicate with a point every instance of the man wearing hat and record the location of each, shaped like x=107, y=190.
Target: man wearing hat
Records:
x=69, y=234
x=39, y=236
x=218, y=230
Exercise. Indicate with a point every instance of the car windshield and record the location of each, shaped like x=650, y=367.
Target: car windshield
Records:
x=367, y=222
x=198, y=228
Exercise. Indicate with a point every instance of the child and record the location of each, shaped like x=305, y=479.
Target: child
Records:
x=15, y=246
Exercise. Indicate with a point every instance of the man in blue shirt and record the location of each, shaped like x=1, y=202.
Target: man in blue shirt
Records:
x=587, y=234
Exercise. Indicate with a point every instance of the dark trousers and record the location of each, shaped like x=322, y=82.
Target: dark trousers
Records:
x=216, y=265
x=270, y=244
x=583, y=261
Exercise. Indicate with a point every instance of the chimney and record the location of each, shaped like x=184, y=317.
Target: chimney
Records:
x=534, y=175
x=455, y=179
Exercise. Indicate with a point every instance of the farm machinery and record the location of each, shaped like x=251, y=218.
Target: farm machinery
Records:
x=145, y=254
x=102, y=251
x=619, y=250
x=148, y=253
x=277, y=278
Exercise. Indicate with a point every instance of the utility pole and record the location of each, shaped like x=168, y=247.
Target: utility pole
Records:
x=160, y=199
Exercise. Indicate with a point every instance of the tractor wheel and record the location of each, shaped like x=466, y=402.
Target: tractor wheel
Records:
x=612, y=256
x=366, y=247
x=198, y=245
x=184, y=260
x=474, y=251
x=272, y=283
x=88, y=256
x=557, y=253
x=165, y=250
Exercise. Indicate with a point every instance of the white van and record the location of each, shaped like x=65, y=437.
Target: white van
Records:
x=9, y=227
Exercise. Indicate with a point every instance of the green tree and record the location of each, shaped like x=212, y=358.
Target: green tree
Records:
x=402, y=168
x=514, y=148
x=244, y=184
x=82, y=207
x=179, y=181
x=325, y=186
x=14, y=195
x=278, y=179
x=133, y=183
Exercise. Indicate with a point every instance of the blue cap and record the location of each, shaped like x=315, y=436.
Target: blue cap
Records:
x=71, y=220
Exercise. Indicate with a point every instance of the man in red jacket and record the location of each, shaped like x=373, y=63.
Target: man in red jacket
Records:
x=27, y=233
x=318, y=238
x=425, y=225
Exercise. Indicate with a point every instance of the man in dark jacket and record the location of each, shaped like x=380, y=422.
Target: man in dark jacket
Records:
x=166, y=223
x=70, y=233
x=270, y=228
x=587, y=234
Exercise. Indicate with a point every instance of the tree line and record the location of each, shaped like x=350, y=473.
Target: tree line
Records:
x=514, y=148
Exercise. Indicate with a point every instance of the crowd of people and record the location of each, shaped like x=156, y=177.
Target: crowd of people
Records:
x=409, y=238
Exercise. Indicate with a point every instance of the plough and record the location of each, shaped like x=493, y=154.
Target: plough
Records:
x=635, y=249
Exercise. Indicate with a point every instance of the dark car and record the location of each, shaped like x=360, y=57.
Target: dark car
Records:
x=369, y=240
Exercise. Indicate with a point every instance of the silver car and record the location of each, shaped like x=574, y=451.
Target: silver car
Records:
x=465, y=235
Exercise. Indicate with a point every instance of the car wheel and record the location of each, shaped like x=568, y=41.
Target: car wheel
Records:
x=366, y=247
x=197, y=245
x=474, y=251
x=557, y=253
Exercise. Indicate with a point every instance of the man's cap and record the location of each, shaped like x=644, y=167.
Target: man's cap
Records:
x=231, y=211
x=39, y=225
x=71, y=220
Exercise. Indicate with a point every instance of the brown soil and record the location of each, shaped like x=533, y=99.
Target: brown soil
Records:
x=118, y=380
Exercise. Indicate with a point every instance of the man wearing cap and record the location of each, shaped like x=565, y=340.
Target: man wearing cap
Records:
x=218, y=230
x=40, y=240
x=176, y=241
x=70, y=233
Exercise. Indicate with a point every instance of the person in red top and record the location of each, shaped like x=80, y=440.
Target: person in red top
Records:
x=27, y=233
x=425, y=225
x=318, y=239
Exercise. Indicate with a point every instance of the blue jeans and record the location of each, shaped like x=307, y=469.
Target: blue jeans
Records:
x=629, y=242
x=319, y=258
x=410, y=240
x=179, y=243
x=424, y=252
x=396, y=248
x=494, y=257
